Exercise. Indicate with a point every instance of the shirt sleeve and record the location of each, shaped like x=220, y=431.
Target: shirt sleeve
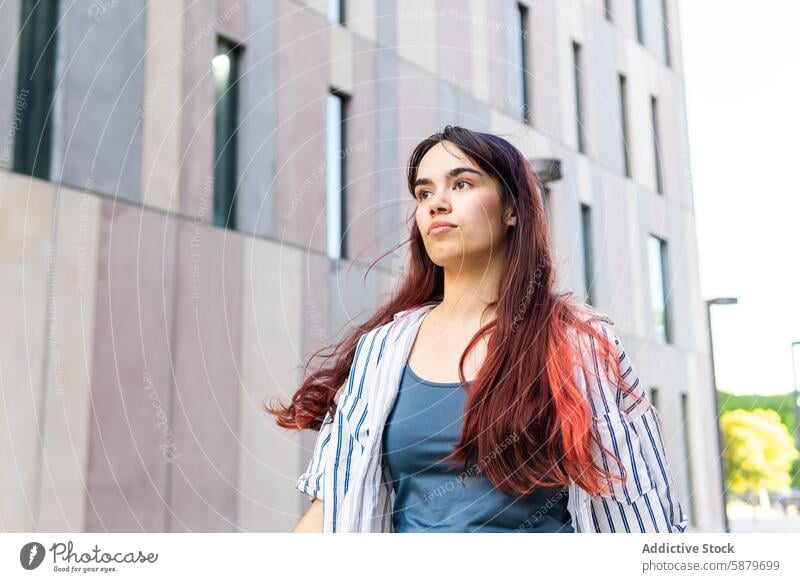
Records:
x=628, y=425
x=311, y=481
x=333, y=432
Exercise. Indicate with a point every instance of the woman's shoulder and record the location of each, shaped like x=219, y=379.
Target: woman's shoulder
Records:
x=399, y=324
x=588, y=316
x=381, y=331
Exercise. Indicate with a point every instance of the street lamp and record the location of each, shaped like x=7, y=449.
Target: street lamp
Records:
x=709, y=303
x=796, y=397
x=547, y=171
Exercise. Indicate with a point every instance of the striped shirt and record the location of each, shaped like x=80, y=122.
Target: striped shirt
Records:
x=346, y=470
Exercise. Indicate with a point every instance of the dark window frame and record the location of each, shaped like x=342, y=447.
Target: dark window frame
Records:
x=523, y=13
x=36, y=70
x=665, y=25
x=344, y=102
x=639, y=22
x=656, y=144
x=588, y=253
x=226, y=115
x=654, y=397
x=663, y=266
x=623, y=99
x=577, y=58
x=687, y=451
x=342, y=16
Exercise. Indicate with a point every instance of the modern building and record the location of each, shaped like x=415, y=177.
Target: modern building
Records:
x=191, y=195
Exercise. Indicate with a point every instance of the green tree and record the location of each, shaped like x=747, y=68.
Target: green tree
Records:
x=759, y=452
x=783, y=404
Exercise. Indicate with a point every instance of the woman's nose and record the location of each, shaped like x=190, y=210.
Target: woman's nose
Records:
x=438, y=201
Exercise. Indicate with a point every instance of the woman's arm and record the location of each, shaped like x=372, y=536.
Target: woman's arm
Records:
x=311, y=481
x=334, y=442
x=328, y=449
x=311, y=522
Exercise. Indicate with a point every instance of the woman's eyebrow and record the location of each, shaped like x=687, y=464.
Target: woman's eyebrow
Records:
x=452, y=173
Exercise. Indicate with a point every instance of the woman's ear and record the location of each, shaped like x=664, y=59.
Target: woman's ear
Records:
x=510, y=218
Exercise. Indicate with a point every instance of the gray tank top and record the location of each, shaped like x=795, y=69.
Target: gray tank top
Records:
x=431, y=496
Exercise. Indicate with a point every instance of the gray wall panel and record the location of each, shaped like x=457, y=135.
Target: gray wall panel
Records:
x=99, y=93
x=390, y=175
x=9, y=48
x=257, y=123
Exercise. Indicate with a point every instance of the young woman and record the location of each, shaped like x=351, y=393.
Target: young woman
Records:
x=478, y=398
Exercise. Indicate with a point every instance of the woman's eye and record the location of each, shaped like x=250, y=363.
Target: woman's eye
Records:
x=421, y=195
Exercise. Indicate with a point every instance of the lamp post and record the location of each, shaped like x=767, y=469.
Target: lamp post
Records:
x=709, y=303
x=547, y=171
x=796, y=397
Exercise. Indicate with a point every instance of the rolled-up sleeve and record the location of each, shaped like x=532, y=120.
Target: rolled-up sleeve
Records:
x=628, y=425
x=311, y=481
x=669, y=516
x=333, y=432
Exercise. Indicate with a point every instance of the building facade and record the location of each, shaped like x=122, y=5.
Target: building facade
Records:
x=191, y=195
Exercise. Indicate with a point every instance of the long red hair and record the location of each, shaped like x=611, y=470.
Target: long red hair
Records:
x=525, y=417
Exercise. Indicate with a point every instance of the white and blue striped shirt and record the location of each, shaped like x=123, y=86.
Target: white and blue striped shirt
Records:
x=346, y=470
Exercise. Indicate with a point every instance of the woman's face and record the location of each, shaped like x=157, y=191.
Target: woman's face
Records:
x=450, y=188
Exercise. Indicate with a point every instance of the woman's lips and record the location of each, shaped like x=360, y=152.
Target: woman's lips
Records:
x=441, y=229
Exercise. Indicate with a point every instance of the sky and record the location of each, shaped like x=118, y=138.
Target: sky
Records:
x=742, y=75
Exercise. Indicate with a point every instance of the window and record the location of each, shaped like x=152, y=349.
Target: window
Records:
x=336, y=11
x=546, y=202
x=35, y=80
x=588, y=261
x=665, y=28
x=225, y=70
x=525, y=97
x=607, y=9
x=576, y=65
x=336, y=206
x=656, y=145
x=659, y=287
x=639, y=22
x=654, y=397
x=623, y=106
x=687, y=453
